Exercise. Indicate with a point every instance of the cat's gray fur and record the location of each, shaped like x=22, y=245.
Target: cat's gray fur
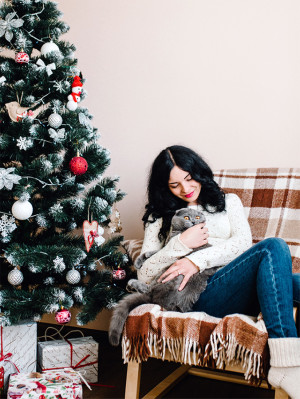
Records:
x=163, y=294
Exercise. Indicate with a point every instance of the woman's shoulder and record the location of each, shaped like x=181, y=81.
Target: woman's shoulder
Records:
x=232, y=199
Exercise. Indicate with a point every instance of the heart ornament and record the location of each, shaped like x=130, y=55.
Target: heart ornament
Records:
x=90, y=231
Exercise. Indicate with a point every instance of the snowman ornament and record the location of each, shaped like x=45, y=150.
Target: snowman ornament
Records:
x=74, y=97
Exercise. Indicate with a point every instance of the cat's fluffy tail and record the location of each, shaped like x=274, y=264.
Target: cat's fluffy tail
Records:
x=120, y=315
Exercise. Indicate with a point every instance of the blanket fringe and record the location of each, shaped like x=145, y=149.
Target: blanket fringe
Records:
x=183, y=350
x=218, y=353
x=226, y=351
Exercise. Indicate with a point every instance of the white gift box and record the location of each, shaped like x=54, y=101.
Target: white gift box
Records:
x=19, y=340
x=79, y=353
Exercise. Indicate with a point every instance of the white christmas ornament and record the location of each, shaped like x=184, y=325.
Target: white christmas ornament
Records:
x=22, y=210
x=55, y=120
x=15, y=277
x=73, y=276
x=49, y=48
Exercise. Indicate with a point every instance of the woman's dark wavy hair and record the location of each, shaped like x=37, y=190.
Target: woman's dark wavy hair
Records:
x=162, y=203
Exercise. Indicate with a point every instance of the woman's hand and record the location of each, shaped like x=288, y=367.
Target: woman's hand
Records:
x=182, y=266
x=195, y=236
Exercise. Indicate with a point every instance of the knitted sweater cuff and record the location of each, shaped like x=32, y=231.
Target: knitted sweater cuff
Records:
x=284, y=352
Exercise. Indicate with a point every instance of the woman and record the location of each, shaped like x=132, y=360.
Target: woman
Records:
x=255, y=278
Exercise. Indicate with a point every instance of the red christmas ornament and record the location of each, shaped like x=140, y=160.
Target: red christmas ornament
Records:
x=78, y=165
x=63, y=316
x=22, y=58
x=119, y=274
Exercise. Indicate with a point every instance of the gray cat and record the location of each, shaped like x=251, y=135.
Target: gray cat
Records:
x=163, y=294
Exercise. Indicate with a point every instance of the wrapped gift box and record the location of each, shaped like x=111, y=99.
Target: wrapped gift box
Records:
x=64, y=383
x=79, y=353
x=18, y=348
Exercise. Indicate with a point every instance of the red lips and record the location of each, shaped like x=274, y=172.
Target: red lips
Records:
x=189, y=195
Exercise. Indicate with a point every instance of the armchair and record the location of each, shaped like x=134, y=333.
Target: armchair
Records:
x=205, y=345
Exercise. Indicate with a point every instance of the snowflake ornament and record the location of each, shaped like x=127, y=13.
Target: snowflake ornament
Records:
x=7, y=225
x=59, y=264
x=62, y=86
x=8, y=179
x=24, y=143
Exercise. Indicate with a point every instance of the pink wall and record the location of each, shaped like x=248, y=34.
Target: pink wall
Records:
x=220, y=76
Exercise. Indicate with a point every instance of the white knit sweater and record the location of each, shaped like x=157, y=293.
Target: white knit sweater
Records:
x=229, y=236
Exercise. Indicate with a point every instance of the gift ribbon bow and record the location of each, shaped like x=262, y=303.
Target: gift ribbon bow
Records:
x=49, y=67
x=5, y=358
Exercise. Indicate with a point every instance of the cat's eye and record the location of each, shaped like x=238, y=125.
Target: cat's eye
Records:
x=197, y=217
x=187, y=218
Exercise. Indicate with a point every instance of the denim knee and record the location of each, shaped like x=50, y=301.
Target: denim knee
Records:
x=275, y=243
x=279, y=252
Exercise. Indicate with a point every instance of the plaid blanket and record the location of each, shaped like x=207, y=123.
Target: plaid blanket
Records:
x=196, y=338
x=271, y=198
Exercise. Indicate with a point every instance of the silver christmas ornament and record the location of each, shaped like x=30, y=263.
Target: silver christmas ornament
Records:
x=73, y=276
x=55, y=120
x=15, y=277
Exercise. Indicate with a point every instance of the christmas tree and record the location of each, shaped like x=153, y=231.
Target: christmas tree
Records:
x=55, y=203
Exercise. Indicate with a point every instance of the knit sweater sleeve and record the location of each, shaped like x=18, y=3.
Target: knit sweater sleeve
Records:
x=165, y=255
x=240, y=239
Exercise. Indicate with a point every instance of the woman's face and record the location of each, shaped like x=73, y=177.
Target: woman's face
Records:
x=183, y=186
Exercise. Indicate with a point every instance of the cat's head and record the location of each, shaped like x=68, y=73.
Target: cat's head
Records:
x=186, y=217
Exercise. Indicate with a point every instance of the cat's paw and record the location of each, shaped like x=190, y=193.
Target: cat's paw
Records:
x=130, y=285
x=134, y=285
x=139, y=262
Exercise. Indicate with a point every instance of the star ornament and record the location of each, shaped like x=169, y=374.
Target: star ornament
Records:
x=8, y=179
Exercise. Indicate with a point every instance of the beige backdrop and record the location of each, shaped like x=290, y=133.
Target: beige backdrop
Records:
x=220, y=76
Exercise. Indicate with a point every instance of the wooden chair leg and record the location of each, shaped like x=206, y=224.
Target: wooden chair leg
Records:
x=133, y=379
x=280, y=394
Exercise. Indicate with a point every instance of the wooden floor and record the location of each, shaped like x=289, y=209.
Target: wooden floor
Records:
x=112, y=377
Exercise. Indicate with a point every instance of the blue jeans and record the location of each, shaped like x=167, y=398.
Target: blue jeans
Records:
x=258, y=280
x=296, y=288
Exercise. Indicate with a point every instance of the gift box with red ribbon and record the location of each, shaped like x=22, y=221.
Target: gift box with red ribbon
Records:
x=17, y=350
x=61, y=383
x=79, y=353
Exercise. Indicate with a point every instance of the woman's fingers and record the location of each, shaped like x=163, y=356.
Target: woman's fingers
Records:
x=184, y=281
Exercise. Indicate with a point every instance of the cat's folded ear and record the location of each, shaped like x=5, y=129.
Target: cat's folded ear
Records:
x=180, y=211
